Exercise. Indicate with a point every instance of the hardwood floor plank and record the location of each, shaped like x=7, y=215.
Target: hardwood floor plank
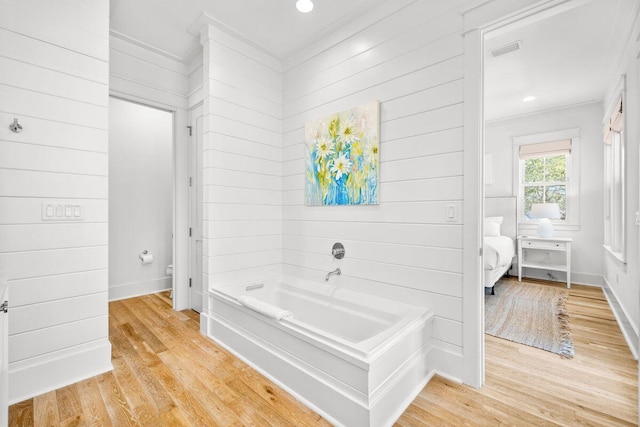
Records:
x=251, y=398
x=138, y=361
x=114, y=399
x=190, y=409
x=281, y=401
x=173, y=418
x=93, y=408
x=147, y=336
x=68, y=400
x=21, y=414
x=215, y=406
x=135, y=396
x=45, y=410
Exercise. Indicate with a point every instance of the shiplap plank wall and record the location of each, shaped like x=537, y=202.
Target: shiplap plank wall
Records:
x=242, y=89
x=411, y=61
x=54, y=60
x=139, y=74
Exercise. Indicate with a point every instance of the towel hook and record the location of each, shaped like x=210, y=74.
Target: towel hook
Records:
x=15, y=126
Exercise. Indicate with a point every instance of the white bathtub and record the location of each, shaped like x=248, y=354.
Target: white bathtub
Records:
x=357, y=359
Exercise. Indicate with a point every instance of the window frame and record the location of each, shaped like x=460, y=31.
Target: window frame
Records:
x=615, y=198
x=572, y=220
x=524, y=184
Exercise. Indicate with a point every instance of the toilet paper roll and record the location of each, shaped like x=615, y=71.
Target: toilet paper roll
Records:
x=146, y=258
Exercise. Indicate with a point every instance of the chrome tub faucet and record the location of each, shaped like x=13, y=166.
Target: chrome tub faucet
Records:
x=336, y=272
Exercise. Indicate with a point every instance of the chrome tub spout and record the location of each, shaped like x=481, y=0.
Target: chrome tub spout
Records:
x=336, y=272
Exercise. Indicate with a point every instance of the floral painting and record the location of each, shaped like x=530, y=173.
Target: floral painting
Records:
x=343, y=157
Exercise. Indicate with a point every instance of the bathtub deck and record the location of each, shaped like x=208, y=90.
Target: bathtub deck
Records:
x=166, y=373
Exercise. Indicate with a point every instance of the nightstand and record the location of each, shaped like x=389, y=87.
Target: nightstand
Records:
x=557, y=244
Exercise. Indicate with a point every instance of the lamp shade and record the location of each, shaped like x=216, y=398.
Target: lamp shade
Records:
x=545, y=210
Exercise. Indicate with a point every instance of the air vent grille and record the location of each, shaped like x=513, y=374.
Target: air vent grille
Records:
x=511, y=47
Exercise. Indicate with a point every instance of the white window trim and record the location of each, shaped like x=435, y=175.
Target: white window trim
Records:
x=572, y=222
x=620, y=92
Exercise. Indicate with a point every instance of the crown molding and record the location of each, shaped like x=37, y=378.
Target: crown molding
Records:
x=147, y=46
x=196, y=28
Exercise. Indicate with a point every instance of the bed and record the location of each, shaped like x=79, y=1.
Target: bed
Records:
x=500, y=230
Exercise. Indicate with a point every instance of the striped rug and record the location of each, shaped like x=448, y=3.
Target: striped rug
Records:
x=530, y=314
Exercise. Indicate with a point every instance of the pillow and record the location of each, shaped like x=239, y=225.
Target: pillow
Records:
x=492, y=225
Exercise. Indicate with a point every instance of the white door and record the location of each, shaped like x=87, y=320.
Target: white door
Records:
x=4, y=351
x=195, y=208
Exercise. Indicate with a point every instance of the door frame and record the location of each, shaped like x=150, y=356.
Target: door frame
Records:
x=479, y=19
x=195, y=112
x=180, y=231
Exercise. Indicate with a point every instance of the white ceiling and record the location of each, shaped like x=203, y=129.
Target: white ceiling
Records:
x=274, y=25
x=566, y=59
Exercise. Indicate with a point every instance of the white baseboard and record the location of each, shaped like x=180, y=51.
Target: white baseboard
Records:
x=33, y=377
x=136, y=289
x=447, y=363
x=587, y=279
x=630, y=335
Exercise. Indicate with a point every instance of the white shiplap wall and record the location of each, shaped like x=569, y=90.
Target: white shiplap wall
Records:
x=54, y=59
x=242, y=94
x=409, y=56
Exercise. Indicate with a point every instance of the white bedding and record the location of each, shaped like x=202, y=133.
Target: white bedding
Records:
x=498, y=251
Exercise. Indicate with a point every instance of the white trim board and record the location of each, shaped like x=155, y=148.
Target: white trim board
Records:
x=136, y=289
x=626, y=326
x=586, y=279
x=52, y=371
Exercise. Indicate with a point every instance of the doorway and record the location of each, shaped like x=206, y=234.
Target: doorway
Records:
x=546, y=104
x=141, y=200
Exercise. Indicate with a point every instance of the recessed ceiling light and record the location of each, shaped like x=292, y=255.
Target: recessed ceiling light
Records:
x=528, y=98
x=304, y=6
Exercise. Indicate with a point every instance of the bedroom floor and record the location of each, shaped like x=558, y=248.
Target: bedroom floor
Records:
x=167, y=373
x=529, y=386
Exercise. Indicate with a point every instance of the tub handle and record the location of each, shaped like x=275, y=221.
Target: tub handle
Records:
x=254, y=287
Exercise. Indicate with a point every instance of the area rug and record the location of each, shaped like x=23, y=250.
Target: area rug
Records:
x=530, y=314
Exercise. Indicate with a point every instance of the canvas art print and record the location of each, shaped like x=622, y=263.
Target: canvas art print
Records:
x=343, y=157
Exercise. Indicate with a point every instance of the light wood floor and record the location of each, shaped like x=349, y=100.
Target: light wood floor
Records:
x=166, y=373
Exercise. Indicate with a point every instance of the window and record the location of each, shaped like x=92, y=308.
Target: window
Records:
x=614, y=143
x=546, y=172
x=545, y=181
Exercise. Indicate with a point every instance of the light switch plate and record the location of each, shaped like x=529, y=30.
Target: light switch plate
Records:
x=62, y=211
x=450, y=213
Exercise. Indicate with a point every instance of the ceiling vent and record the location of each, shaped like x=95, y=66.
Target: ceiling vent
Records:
x=511, y=47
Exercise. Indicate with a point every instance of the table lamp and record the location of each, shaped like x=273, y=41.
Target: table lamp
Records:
x=546, y=212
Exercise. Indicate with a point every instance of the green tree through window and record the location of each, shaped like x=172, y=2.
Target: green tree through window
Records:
x=545, y=181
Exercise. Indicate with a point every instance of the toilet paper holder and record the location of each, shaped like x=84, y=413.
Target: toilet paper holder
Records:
x=146, y=257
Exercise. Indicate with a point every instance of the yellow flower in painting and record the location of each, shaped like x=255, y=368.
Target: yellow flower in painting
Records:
x=324, y=148
x=340, y=166
x=349, y=132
